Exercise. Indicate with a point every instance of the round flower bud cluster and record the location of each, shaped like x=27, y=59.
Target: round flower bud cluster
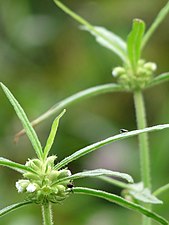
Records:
x=139, y=79
x=43, y=182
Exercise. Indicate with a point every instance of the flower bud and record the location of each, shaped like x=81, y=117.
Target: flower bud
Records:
x=31, y=176
x=50, y=160
x=150, y=66
x=35, y=164
x=61, y=189
x=53, y=175
x=64, y=173
x=118, y=71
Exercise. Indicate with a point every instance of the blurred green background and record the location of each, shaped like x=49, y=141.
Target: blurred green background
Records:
x=45, y=57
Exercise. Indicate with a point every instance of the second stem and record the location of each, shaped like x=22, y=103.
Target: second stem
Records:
x=143, y=139
x=143, y=145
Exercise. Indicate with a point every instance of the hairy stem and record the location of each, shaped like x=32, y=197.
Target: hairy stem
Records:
x=143, y=144
x=47, y=214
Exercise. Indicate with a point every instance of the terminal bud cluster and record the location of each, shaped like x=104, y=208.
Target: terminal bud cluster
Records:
x=135, y=80
x=42, y=184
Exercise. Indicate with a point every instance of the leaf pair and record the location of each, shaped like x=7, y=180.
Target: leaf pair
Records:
x=29, y=129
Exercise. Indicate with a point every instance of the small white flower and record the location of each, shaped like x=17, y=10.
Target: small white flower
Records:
x=69, y=173
x=19, y=187
x=31, y=188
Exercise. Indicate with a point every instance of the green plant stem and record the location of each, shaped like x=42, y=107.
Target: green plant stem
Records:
x=143, y=138
x=47, y=214
x=143, y=144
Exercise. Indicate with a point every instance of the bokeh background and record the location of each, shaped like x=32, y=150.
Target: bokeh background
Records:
x=45, y=57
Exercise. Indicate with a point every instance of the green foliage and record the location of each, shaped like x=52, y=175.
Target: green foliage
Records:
x=25, y=122
x=52, y=134
x=120, y=201
x=134, y=42
x=44, y=182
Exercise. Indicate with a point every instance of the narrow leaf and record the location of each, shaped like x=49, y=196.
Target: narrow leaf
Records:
x=90, y=92
x=24, y=120
x=96, y=173
x=52, y=134
x=134, y=42
x=15, y=166
x=120, y=201
x=162, y=189
x=99, y=144
x=105, y=38
x=142, y=194
x=109, y=40
x=164, y=77
x=160, y=17
x=13, y=207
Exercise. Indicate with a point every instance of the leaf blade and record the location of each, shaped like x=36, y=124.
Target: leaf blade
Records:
x=91, y=28
x=13, y=207
x=109, y=40
x=90, y=92
x=52, y=134
x=120, y=201
x=161, y=190
x=160, y=17
x=98, y=172
x=15, y=166
x=134, y=42
x=99, y=144
x=164, y=77
x=24, y=120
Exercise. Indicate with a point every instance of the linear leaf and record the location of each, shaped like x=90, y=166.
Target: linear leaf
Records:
x=15, y=166
x=90, y=92
x=24, y=120
x=13, y=207
x=99, y=144
x=120, y=201
x=134, y=42
x=164, y=77
x=98, y=172
x=109, y=40
x=160, y=17
x=52, y=134
x=162, y=189
x=103, y=37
